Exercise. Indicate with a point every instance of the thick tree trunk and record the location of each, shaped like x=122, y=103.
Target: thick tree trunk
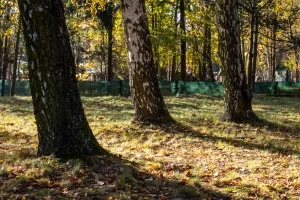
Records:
x=15, y=65
x=238, y=98
x=63, y=129
x=5, y=64
x=183, y=40
x=147, y=99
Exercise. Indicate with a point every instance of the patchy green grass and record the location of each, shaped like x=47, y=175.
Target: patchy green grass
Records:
x=199, y=157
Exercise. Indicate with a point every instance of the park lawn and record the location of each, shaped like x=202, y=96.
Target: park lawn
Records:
x=199, y=157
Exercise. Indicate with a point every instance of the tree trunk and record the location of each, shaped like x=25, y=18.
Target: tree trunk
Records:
x=274, y=33
x=296, y=50
x=238, y=98
x=63, y=129
x=173, y=71
x=110, y=43
x=15, y=65
x=19, y=63
x=147, y=99
x=210, y=74
x=106, y=17
x=250, y=59
x=183, y=40
x=109, y=55
x=255, y=50
x=5, y=64
x=1, y=55
x=203, y=76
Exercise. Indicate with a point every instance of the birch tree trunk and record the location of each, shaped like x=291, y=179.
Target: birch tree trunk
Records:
x=238, y=98
x=147, y=99
x=63, y=129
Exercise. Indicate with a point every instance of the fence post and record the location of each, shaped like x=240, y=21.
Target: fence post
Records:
x=121, y=88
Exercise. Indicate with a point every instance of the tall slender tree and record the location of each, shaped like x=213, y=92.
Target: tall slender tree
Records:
x=147, y=99
x=5, y=64
x=173, y=71
x=238, y=97
x=15, y=64
x=63, y=129
x=106, y=17
x=183, y=40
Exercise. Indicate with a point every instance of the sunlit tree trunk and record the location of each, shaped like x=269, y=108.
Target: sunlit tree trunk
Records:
x=238, y=98
x=63, y=129
x=147, y=99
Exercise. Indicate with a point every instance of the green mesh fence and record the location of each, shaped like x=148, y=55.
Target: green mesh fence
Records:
x=6, y=88
x=208, y=88
x=115, y=88
x=168, y=88
x=264, y=88
x=288, y=88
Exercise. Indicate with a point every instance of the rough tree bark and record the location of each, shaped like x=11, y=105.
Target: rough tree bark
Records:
x=63, y=129
x=147, y=99
x=238, y=98
x=15, y=65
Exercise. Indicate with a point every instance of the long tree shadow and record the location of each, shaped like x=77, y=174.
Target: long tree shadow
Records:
x=272, y=126
x=271, y=146
x=99, y=177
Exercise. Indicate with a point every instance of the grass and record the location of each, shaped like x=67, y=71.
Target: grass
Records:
x=199, y=157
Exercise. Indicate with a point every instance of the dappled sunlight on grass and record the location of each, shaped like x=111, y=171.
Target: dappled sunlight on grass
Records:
x=197, y=157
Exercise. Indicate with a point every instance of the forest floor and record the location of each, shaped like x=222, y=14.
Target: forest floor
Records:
x=199, y=157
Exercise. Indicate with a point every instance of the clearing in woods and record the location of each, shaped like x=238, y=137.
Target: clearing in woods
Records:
x=197, y=157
